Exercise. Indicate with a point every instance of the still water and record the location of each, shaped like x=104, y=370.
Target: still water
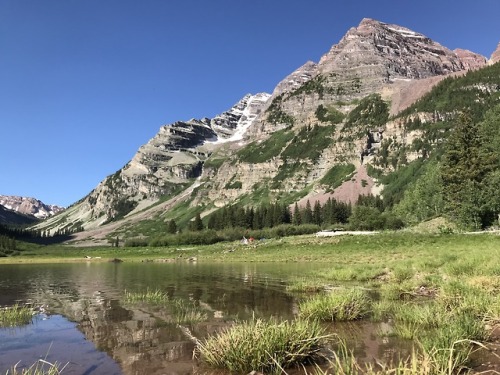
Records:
x=86, y=324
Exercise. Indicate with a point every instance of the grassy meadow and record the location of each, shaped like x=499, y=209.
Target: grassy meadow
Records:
x=441, y=291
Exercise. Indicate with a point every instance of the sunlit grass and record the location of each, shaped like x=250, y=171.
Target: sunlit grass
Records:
x=337, y=305
x=187, y=312
x=182, y=311
x=265, y=346
x=155, y=296
x=40, y=367
x=15, y=316
x=420, y=362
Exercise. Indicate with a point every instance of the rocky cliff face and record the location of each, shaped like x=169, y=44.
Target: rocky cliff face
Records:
x=495, y=57
x=29, y=206
x=169, y=162
x=375, y=60
x=383, y=53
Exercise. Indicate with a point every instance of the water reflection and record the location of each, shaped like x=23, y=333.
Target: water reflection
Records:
x=97, y=333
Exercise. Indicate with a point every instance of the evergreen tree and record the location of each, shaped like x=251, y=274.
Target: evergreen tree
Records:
x=172, y=227
x=462, y=171
x=198, y=223
x=308, y=215
x=317, y=213
x=297, y=217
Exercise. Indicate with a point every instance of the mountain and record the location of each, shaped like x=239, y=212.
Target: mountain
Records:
x=9, y=217
x=30, y=207
x=495, y=57
x=337, y=128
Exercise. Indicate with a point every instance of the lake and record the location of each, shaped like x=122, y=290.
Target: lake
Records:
x=85, y=323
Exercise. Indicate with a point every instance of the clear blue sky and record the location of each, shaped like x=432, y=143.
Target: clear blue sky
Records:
x=84, y=83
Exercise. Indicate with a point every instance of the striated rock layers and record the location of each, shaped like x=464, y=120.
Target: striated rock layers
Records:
x=171, y=160
x=372, y=58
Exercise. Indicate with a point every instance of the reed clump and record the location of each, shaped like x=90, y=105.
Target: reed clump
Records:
x=187, y=312
x=155, y=296
x=337, y=305
x=40, y=367
x=419, y=362
x=16, y=315
x=264, y=346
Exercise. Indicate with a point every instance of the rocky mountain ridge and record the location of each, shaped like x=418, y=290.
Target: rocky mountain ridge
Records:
x=29, y=206
x=495, y=56
x=266, y=146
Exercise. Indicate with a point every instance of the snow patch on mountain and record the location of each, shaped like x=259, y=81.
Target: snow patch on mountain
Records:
x=29, y=206
x=231, y=126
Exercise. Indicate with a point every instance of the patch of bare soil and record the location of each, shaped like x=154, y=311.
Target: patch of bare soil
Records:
x=403, y=94
x=348, y=192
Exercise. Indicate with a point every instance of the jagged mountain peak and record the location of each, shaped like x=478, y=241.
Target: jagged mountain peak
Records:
x=296, y=79
x=373, y=63
x=381, y=51
x=29, y=206
x=495, y=56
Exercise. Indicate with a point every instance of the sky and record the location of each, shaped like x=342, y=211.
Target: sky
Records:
x=85, y=83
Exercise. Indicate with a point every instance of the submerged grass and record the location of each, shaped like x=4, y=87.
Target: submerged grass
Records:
x=182, y=311
x=265, y=346
x=15, y=316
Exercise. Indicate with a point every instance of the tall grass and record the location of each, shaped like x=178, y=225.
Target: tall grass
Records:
x=40, y=367
x=15, y=316
x=265, y=346
x=187, y=312
x=420, y=362
x=182, y=311
x=149, y=296
x=338, y=305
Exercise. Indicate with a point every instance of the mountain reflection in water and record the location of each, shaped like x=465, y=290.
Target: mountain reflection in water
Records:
x=96, y=332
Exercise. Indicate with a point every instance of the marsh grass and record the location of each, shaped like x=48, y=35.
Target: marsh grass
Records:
x=446, y=361
x=40, y=367
x=265, y=346
x=183, y=311
x=337, y=305
x=305, y=285
x=187, y=312
x=353, y=272
x=155, y=297
x=16, y=315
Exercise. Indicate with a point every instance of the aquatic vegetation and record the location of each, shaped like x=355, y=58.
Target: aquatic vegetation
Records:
x=182, y=311
x=419, y=362
x=265, y=346
x=337, y=305
x=305, y=285
x=40, y=367
x=187, y=312
x=149, y=296
x=15, y=316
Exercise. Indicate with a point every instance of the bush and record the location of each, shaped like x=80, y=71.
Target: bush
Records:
x=136, y=242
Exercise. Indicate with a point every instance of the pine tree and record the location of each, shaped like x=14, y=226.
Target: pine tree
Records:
x=317, y=213
x=462, y=173
x=198, y=223
x=308, y=215
x=172, y=227
x=297, y=217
